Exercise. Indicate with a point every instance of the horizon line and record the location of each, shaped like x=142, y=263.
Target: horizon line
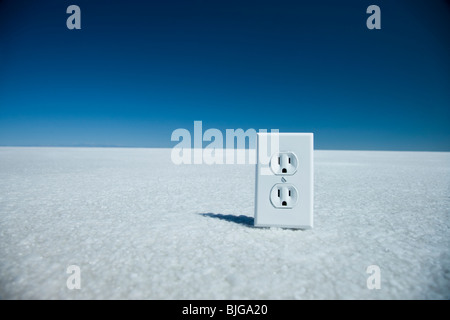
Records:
x=147, y=147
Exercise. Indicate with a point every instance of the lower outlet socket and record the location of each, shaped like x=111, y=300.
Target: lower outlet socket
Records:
x=284, y=196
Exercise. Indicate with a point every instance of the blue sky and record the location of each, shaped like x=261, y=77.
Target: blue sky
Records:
x=137, y=70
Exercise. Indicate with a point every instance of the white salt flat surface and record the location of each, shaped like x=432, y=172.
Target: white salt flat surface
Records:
x=140, y=227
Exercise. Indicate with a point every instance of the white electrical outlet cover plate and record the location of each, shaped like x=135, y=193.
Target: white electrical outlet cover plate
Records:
x=300, y=216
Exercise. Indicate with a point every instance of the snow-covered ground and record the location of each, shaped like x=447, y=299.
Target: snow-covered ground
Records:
x=140, y=227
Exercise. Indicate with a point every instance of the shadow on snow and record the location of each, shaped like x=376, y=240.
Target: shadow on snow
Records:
x=243, y=220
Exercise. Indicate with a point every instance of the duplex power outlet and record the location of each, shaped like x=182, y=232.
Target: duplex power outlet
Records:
x=284, y=195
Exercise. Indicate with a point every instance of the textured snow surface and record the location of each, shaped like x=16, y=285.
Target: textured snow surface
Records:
x=140, y=227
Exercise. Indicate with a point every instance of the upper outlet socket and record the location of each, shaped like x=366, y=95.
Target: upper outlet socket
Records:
x=284, y=163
